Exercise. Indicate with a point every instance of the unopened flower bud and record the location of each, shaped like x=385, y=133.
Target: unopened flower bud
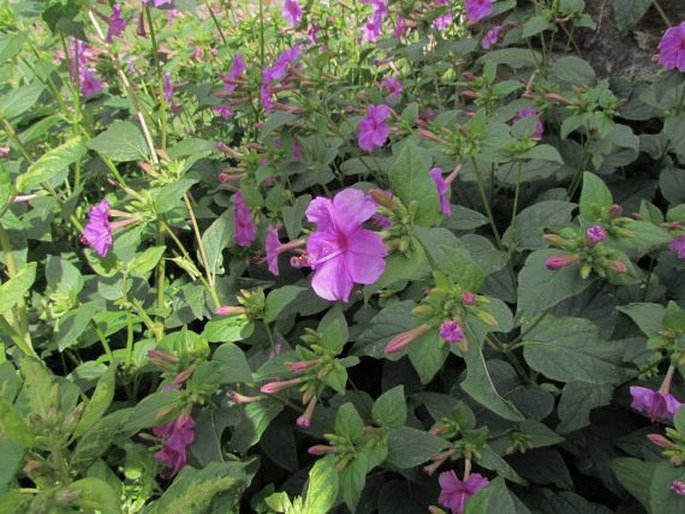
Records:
x=661, y=441
x=305, y=420
x=382, y=198
x=615, y=211
x=554, y=240
x=617, y=266
x=468, y=298
x=321, y=449
x=422, y=310
x=560, y=261
x=401, y=341
x=241, y=398
x=279, y=385
x=230, y=310
x=596, y=234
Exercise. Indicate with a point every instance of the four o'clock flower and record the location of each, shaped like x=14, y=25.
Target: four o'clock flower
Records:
x=167, y=86
x=245, y=230
x=454, y=493
x=292, y=12
x=678, y=246
x=340, y=251
x=116, y=23
x=596, y=234
x=393, y=86
x=98, y=232
x=491, y=37
x=560, y=261
x=373, y=131
x=672, y=48
x=403, y=340
x=659, y=404
x=529, y=112
x=451, y=332
x=176, y=437
x=476, y=10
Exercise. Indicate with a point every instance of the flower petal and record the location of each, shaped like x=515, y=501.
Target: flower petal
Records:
x=319, y=212
x=351, y=208
x=331, y=280
x=365, y=256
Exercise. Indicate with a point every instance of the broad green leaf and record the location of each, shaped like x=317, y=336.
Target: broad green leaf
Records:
x=333, y=330
x=278, y=299
x=99, y=402
x=13, y=291
x=427, y=354
x=38, y=382
x=574, y=71
x=94, y=493
x=647, y=316
x=228, y=329
x=628, y=12
x=412, y=183
x=11, y=44
x=145, y=262
x=51, y=164
x=348, y=423
x=73, y=324
x=512, y=57
x=636, y=476
x=495, y=499
x=408, y=447
x=12, y=457
x=14, y=426
x=352, y=480
x=217, y=237
x=535, y=25
x=390, y=409
x=391, y=321
x=322, y=488
x=154, y=410
x=170, y=196
x=674, y=318
x=122, y=141
x=257, y=417
x=577, y=400
x=571, y=350
x=6, y=188
x=19, y=100
x=531, y=223
x=595, y=197
x=235, y=366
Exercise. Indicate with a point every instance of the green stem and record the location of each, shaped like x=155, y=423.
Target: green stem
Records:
x=661, y=12
x=15, y=139
x=129, y=341
x=160, y=78
x=201, y=247
x=486, y=203
x=216, y=22
x=105, y=344
x=269, y=334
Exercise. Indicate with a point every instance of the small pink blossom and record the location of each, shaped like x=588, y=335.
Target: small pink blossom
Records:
x=399, y=28
x=176, y=437
x=468, y=298
x=292, y=12
x=443, y=188
x=672, y=48
x=98, y=232
x=372, y=29
x=167, y=86
x=451, y=332
x=678, y=487
x=237, y=69
x=491, y=37
x=245, y=228
x=312, y=34
x=596, y=234
x=678, y=246
x=116, y=23
x=373, y=131
x=655, y=404
x=223, y=111
x=272, y=248
x=393, y=86
x=560, y=261
x=454, y=493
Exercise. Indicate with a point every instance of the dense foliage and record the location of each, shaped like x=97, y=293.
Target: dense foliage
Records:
x=377, y=256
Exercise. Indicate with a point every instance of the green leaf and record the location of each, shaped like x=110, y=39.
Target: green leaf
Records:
x=539, y=289
x=534, y=26
x=495, y=499
x=94, y=493
x=99, y=402
x=145, y=262
x=575, y=71
x=73, y=324
x=12, y=457
x=540, y=434
x=636, y=476
x=348, y=423
x=170, y=196
x=122, y=141
x=595, y=198
x=647, y=316
x=228, y=329
x=390, y=409
x=427, y=354
x=479, y=386
x=6, y=188
x=392, y=320
x=570, y=350
x=19, y=100
x=532, y=222
x=411, y=182
x=408, y=447
x=674, y=318
x=13, y=291
x=628, y=12
x=236, y=368
x=333, y=330
x=512, y=57
x=257, y=417
x=51, y=164
x=37, y=385
x=11, y=45
x=14, y=426
x=322, y=488
x=352, y=480
x=543, y=153
x=577, y=400
x=278, y=300
x=154, y=410
x=217, y=237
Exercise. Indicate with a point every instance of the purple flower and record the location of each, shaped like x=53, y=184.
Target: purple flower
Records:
x=529, y=112
x=272, y=247
x=292, y=12
x=176, y=436
x=373, y=131
x=678, y=487
x=442, y=22
x=451, y=332
x=159, y=3
x=655, y=404
x=399, y=27
x=454, y=493
x=372, y=29
x=88, y=83
x=596, y=234
x=678, y=246
x=491, y=37
x=341, y=252
x=312, y=33
x=245, y=229
x=443, y=187
x=168, y=86
x=223, y=111
x=393, y=86
x=116, y=23
x=98, y=233
x=237, y=69
x=476, y=10
x=672, y=48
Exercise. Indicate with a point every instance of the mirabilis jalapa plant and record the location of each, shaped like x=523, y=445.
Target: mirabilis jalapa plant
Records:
x=366, y=256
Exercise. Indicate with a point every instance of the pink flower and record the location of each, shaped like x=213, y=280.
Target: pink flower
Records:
x=176, y=436
x=443, y=187
x=560, y=261
x=312, y=33
x=245, y=229
x=678, y=246
x=491, y=37
x=223, y=111
x=528, y=112
x=655, y=404
x=292, y=12
x=596, y=234
x=399, y=27
x=451, y=332
x=116, y=23
x=468, y=298
x=454, y=493
x=672, y=48
x=678, y=487
x=341, y=252
x=237, y=69
x=167, y=86
x=272, y=247
x=442, y=22
x=373, y=132
x=90, y=84
x=98, y=232
x=476, y=10
x=393, y=86
x=372, y=29
x=79, y=53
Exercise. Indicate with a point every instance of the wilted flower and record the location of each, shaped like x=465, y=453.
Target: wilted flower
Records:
x=672, y=48
x=399, y=27
x=88, y=83
x=529, y=112
x=245, y=229
x=443, y=188
x=312, y=33
x=292, y=12
x=596, y=234
x=373, y=131
x=176, y=436
x=116, y=23
x=442, y=22
x=476, y=10
x=454, y=493
x=98, y=232
x=237, y=69
x=451, y=332
x=341, y=252
x=279, y=385
x=678, y=246
x=491, y=37
x=656, y=404
x=393, y=87
x=272, y=246
x=167, y=86
x=223, y=111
